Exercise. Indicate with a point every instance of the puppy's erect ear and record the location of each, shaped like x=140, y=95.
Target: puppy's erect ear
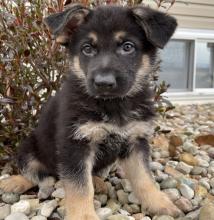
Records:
x=62, y=24
x=158, y=26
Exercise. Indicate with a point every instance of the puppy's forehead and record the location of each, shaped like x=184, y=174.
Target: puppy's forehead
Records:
x=117, y=36
x=111, y=21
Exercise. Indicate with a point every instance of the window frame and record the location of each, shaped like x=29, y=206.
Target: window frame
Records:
x=189, y=69
x=204, y=41
x=195, y=36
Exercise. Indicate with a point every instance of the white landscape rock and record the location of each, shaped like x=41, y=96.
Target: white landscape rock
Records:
x=22, y=206
x=17, y=216
x=5, y=176
x=164, y=217
x=10, y=198
x=133, y=199
x=173, y=194
x=104, y=213
x=59, y=193
x=48, y=208
x=34, y=204
x=122, y=196
x=184, y=168
x=203, y=163
x=39, y=217
x=186, y=191
x=4, y=210
x=119, y=217
x=146, y=218
x=156, y=166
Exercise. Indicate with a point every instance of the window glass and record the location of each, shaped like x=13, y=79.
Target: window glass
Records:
x=175, y=64
x=204, y=65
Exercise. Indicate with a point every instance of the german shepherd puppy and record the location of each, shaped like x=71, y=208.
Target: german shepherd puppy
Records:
x=104, y=109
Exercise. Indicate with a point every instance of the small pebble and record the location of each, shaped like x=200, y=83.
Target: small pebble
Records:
x=4, y=210
x=173, y=194
x=10, y=198
x=128, y=208
x=61, y=211
x=135, y=208
x=197, y=170
x=48, y=208
x=45, y=192
x=17, y=216
x=113, y=205
x=184, y=168
x=24, y=197
x=211, y=152
x=207, y=212
x=188, y=159
x=186, y=191
x=168, y=183
x=118, y=217
x=97, y=204
x=22, y=206
x=133, y=199
x=202, y=163
x=163, y=217
x=212, y=182
x=34, y=204
x=4, y=176
x=122, y=197
x=184, y=204
x=200, y=191
x=156, y=166
x=39, y=217
x=146, y=218
x=193, y=215
x=59, y=193
x=102, y=198
x=138, y=216
x=104, y=213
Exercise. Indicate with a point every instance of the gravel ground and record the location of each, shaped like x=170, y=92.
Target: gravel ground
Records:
x=182, y=164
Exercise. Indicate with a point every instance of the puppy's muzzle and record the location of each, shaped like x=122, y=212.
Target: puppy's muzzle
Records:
x=105, y=83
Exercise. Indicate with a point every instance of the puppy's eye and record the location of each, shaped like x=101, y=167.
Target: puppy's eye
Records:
x=127, y=48
x=89, y=50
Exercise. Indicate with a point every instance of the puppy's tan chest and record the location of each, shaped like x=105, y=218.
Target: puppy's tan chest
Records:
x=96, y=132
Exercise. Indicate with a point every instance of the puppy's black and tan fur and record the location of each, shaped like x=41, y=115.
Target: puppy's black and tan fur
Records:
x=104, y=109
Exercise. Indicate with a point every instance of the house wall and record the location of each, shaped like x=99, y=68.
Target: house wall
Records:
x=194, y=14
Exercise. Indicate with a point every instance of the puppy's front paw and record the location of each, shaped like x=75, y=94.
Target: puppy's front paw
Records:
x=160, y=204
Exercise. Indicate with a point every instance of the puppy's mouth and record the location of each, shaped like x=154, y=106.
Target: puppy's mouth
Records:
x=106, y=95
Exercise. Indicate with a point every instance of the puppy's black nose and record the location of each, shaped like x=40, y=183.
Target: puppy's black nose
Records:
x=105, y=81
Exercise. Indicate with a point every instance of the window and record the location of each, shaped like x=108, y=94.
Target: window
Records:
x=204, y=65
x=188, y=65
x=176, y=64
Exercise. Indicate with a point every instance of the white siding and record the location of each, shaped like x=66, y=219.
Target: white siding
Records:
x=197, y=14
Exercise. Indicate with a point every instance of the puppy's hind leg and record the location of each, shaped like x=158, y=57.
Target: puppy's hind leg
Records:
x=23, y=182
x=32, y=173
x=28, y=166
x=16, y=184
